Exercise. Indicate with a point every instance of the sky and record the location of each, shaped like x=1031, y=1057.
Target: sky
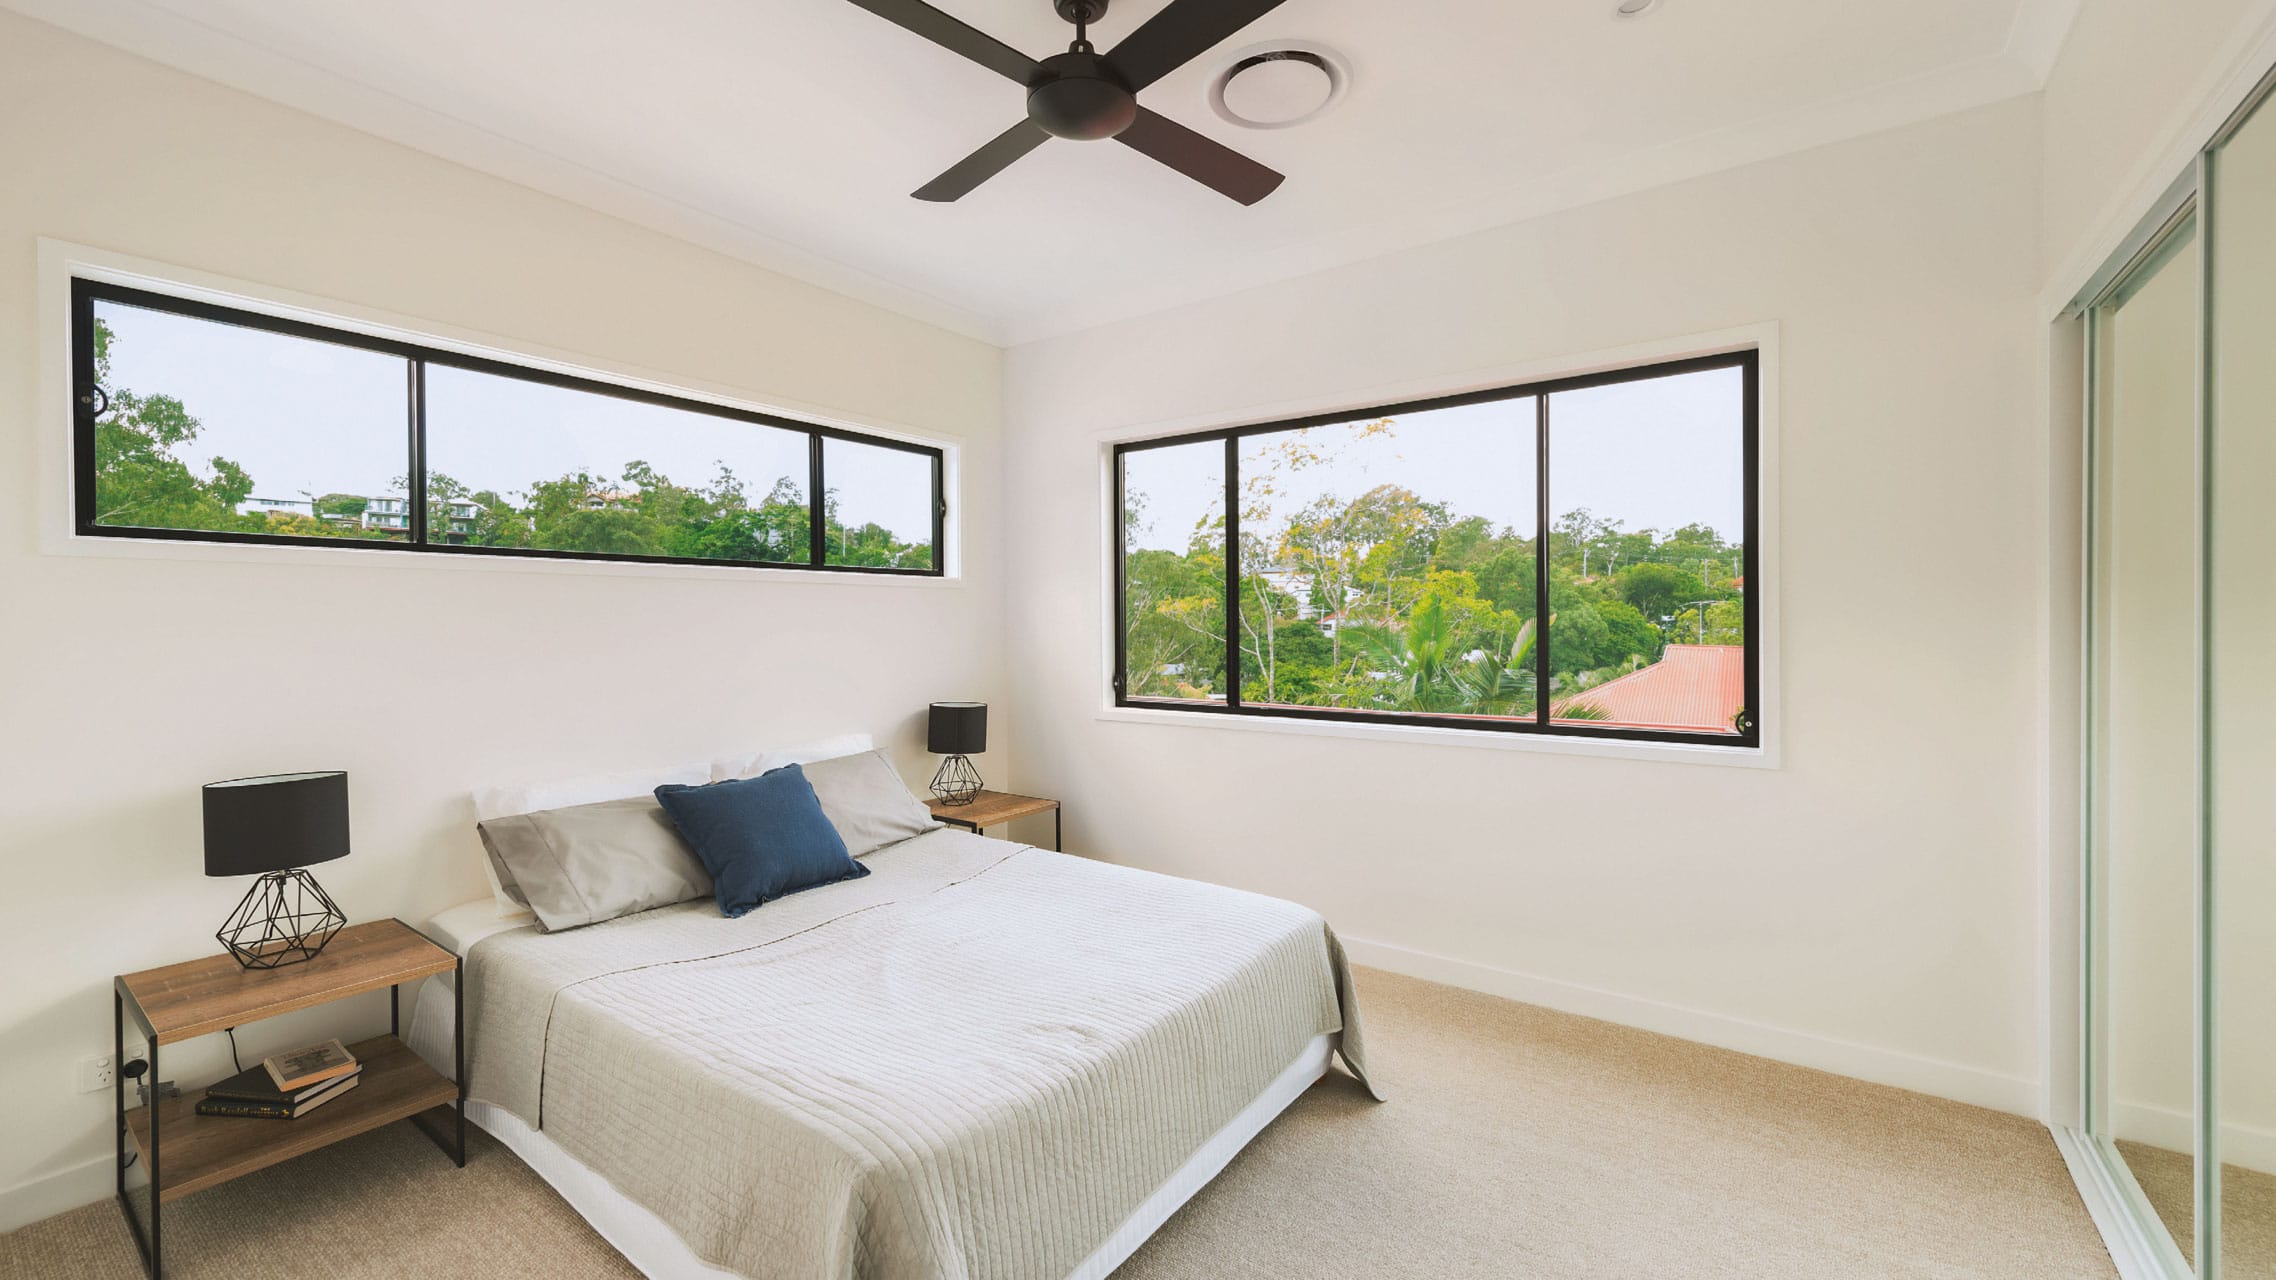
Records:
x=305, y=417
x=1655, y=453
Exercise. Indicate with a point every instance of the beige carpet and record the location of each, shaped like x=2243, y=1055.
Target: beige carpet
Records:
x=1517, y=1143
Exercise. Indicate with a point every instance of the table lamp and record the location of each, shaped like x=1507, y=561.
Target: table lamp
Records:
x=958, y=730
x=272, y=826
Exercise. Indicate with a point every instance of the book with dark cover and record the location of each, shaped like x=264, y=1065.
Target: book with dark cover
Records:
x=212, y=1106
x=254, y=1085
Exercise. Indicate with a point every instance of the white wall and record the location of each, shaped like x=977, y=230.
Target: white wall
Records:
x=1870, y=906
x=126, y=683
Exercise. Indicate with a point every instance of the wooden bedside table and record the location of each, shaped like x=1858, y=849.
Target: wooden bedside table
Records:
x=992, y=808
x=199, y=997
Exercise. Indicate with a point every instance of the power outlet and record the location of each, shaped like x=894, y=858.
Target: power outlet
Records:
x=97, y=1073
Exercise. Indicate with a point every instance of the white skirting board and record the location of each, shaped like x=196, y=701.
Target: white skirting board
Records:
x=660, y=1254
x=1842, y=1057
x=44, y=1197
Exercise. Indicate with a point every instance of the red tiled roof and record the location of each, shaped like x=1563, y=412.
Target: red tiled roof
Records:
x=1695, y=687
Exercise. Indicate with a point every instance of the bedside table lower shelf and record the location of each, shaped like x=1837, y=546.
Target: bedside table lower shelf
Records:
x=206, y=1151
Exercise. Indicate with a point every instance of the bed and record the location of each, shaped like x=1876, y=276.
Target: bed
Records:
x=982, y=1060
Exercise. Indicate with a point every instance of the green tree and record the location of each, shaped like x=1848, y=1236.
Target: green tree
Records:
x=608, y=530
x=1725, y=624
x=1657, y=590
x=1174, y=638
x=1578, y=637
x=1628, y=633
x=1506, y=578
x=141, y=480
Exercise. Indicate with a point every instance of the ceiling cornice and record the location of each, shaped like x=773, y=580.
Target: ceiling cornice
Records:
x=2036, y=39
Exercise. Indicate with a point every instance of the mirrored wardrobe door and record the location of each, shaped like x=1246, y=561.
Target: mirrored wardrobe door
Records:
x=2143, y=788
x=2241, y=707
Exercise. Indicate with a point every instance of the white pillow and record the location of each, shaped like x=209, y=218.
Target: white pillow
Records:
x=459, y=928
x=751, y=766
x=533, y=797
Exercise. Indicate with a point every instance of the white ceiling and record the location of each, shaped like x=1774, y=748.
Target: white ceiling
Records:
x=790, y=132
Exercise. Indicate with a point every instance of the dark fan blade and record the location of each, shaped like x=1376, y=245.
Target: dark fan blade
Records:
x=1183, y=31
x=955, y=37
x=1211, y=164
x=990, y=160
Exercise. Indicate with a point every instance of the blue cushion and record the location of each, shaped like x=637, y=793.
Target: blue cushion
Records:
x=760, y=838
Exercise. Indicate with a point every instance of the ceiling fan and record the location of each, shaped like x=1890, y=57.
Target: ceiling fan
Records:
x=1087, y=96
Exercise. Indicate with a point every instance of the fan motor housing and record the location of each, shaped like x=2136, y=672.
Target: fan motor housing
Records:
x=1078, y=98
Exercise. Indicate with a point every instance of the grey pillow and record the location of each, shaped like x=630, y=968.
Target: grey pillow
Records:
x=594, y=862
x=864, y=798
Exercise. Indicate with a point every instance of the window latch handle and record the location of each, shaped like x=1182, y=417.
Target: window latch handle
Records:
x=97, y=400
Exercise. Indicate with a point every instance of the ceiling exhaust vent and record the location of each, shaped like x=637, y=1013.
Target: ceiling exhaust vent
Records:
x=1279, y=85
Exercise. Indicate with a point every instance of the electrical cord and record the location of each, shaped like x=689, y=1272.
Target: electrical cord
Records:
x=234, y=1061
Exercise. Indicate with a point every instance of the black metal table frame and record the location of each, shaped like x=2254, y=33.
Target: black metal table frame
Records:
x=1057, y=843
x=123, y=1001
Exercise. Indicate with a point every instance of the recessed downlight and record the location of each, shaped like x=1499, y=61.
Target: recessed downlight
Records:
x=1626, y=9
x=1278, y=85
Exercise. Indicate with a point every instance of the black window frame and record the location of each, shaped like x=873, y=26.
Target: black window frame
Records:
x=1749, y=737
x=89, y=401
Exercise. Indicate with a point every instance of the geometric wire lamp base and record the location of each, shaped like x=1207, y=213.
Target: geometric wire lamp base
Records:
x=283, y=919
x=956, y=781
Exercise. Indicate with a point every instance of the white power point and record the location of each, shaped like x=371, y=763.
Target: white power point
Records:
x=97, y=1073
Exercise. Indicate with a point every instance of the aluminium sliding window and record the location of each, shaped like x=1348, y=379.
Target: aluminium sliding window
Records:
x=207, y=423
x=1386, y=565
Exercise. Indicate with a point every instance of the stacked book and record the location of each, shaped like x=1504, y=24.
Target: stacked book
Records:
x=287, y=1086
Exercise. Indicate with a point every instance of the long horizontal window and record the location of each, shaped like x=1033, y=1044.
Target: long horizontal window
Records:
x=1573, y=557
x=208, y=423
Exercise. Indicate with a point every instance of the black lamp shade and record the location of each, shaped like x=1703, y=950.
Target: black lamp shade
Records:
x=275, y=823
x=957, y=729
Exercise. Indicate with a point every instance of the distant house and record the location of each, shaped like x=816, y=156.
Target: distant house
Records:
x=389, y=512
x=392, y=513
x=1294, y=583
x=1330, y=623
x=599, y=498
x=458, y=519
x=277, y=507
x=1693, y=688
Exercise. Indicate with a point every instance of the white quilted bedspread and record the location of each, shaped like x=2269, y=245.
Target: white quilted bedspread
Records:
x=971, y=1064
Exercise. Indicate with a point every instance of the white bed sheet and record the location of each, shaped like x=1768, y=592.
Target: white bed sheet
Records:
x=659, y=1253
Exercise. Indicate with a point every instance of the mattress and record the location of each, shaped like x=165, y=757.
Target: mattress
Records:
x=1085, y=1046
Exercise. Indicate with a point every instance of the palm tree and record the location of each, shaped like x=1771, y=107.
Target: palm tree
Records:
x=1428, y=674
x=1495, y=685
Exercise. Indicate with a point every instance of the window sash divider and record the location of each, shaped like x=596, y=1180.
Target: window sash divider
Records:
x=1233, y=573
x=817, y=506
x=1541, y=628
x=415, y=483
